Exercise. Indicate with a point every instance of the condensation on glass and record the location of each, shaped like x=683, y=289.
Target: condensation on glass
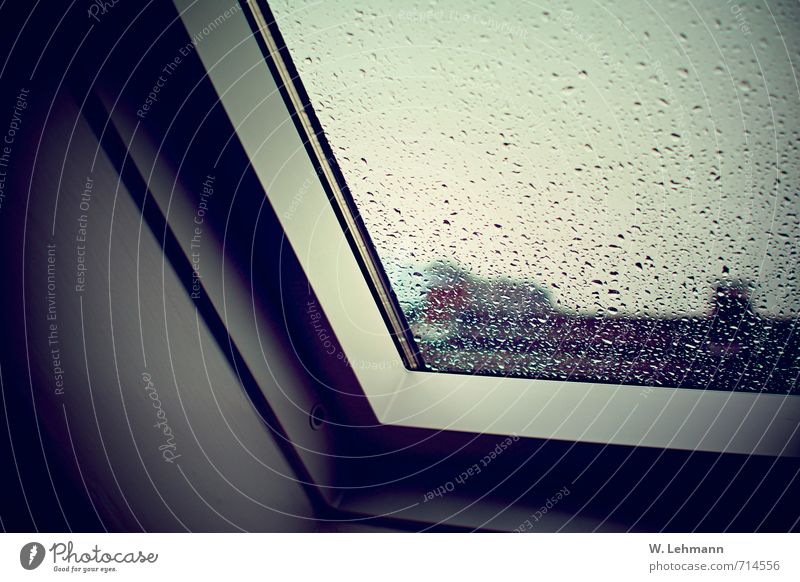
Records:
x=599, y=191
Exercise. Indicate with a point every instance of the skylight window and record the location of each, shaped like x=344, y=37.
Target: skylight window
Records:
x=601, y=192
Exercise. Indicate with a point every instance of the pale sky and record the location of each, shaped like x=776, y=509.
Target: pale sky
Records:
x=633, y=144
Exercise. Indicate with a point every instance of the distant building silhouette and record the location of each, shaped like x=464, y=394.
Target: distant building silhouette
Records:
x=507, y=327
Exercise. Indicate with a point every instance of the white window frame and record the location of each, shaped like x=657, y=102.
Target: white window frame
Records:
x=663, y=417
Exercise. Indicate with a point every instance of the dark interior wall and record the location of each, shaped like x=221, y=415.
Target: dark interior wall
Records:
x=126, y=411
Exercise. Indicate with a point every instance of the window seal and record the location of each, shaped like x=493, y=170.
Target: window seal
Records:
x=301, y=110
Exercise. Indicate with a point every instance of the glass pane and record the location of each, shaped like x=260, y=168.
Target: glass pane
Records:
x=601, y=191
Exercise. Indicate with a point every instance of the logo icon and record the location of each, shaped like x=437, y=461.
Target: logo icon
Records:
x=31, y=555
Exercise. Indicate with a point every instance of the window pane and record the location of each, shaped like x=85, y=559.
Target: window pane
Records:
x=595, y=191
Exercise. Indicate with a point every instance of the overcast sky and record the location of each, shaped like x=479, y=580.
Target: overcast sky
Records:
x=587, y=147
